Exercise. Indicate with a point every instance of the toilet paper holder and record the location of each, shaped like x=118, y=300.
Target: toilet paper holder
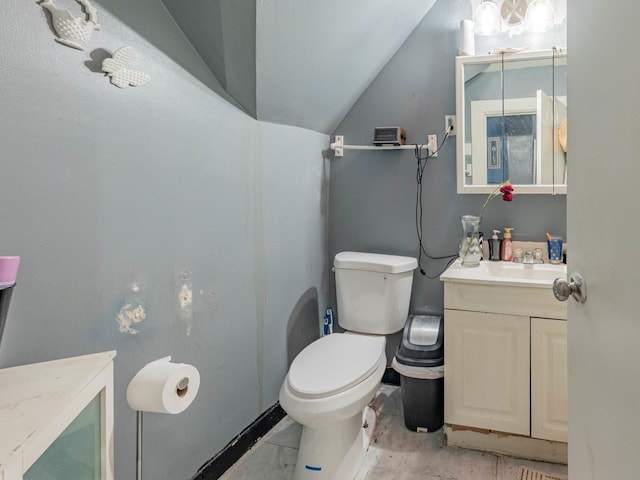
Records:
x=184, y=389
x=181, y=390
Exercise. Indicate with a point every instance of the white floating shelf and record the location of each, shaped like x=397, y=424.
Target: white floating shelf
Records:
x=338, y=147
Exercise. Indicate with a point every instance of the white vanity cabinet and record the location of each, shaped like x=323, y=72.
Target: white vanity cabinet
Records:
x=505, y=360
x=56, y=419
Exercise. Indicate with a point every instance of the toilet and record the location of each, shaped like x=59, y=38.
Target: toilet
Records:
x=331, y=382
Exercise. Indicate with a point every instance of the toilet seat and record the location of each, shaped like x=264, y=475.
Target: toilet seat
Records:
x=334, y=364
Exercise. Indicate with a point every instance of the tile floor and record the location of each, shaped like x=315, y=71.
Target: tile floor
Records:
x=395, y=453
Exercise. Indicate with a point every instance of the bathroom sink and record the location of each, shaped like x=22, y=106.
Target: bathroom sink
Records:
x=506, y=273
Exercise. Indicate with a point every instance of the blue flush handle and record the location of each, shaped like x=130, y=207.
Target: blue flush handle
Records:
x=328, y=322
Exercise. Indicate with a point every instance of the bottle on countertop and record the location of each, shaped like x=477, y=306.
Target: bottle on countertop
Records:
x=506, y=248
x=494, y=247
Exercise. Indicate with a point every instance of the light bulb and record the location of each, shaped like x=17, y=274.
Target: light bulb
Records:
x=539, y=16
x=487, y=19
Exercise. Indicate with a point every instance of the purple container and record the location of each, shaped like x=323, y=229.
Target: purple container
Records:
x=8, y=271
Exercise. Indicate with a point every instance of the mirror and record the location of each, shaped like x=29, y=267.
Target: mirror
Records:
x=511, y=117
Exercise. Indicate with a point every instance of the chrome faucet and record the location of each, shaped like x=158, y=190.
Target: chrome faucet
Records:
x=537, y=256
x=528, y=257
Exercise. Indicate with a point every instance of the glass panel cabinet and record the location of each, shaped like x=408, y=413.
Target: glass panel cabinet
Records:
x=60, y=415
x=511, y=121
x=75, y=453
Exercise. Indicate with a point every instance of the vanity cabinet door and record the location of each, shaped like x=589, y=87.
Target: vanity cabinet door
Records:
x=549, y=411
x=487, y=371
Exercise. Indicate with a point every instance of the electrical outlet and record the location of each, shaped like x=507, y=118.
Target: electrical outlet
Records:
x=450, y=124
x=432, y=145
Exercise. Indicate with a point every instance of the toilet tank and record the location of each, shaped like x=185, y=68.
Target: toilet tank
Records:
x=373, y=291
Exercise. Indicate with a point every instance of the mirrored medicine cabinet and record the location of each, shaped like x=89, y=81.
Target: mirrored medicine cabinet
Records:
x=511, y=119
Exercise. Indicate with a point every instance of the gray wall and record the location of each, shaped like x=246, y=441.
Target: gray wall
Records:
x=286, y=61
x=314, y=59
x=151, y=21
x=102, y=187
x=223, y=32
x=373, y=194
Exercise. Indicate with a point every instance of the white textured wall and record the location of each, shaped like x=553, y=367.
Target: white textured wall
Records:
x=102, y=187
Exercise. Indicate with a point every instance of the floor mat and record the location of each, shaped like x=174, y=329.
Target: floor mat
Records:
x=528, y=474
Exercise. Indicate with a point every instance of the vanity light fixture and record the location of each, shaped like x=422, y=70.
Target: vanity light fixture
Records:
x=513, y=16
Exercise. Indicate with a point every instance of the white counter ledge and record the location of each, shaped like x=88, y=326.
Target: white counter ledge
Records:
x=506, y=274
x=38, y=401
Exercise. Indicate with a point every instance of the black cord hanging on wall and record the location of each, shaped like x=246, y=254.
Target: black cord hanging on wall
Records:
x=421, y=166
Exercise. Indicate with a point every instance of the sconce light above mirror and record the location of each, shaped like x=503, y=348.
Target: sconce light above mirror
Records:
x=513, y=16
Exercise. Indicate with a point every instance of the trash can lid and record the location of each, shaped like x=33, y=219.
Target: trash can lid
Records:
x=422, y=341
x=421, y=373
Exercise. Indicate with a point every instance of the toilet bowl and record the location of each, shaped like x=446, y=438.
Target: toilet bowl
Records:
x=331, y=382
x=327, y=389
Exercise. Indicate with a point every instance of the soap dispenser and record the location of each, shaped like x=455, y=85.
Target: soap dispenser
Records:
x=506, y=248
x=494, y=247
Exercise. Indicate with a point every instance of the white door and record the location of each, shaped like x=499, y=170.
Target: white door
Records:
x=603, y=205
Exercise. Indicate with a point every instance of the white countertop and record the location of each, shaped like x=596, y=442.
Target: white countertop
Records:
x=505, y=274
x=33, y=396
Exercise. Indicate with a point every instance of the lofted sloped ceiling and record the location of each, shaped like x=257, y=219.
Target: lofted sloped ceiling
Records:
x=315, y=58
x=297, y=62
x=223, y=32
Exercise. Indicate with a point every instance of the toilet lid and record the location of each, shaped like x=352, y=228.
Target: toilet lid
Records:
x=335, y=363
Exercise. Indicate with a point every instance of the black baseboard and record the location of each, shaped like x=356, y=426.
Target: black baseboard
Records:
x=237, y=447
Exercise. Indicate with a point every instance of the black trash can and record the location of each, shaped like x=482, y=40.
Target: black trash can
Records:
x=5, y=298
x=420, y=363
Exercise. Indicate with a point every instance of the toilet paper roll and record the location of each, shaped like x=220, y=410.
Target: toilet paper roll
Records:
x=467, y=38
x=163, y=387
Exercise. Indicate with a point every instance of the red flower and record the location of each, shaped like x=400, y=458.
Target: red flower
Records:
x=505, y=188
x=507, y=192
